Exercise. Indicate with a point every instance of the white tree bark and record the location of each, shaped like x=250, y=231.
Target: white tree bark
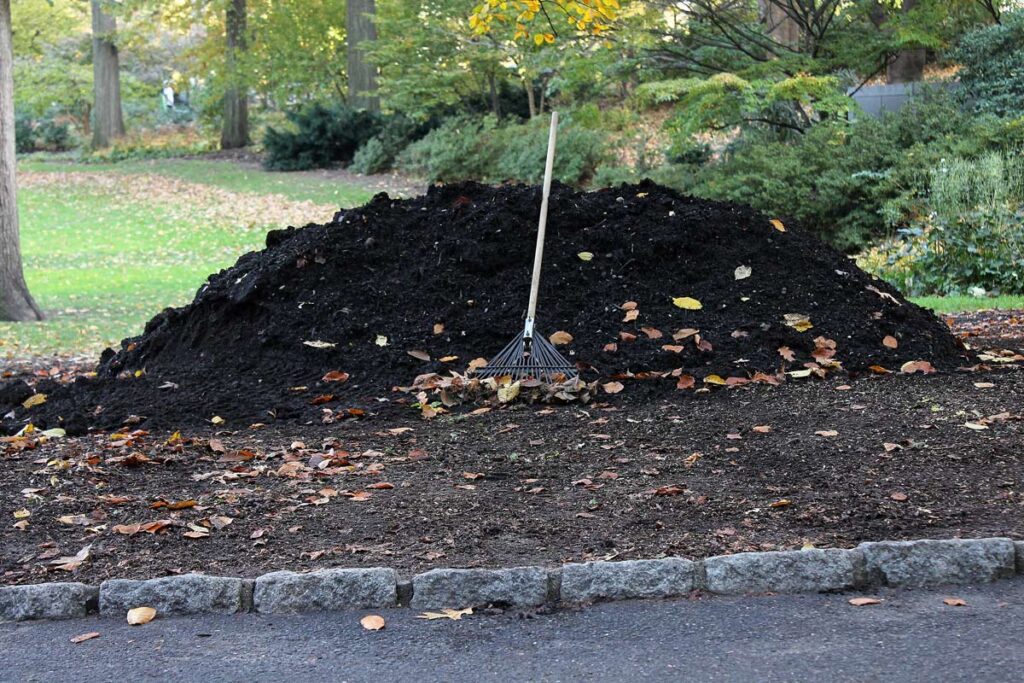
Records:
x=362, y=75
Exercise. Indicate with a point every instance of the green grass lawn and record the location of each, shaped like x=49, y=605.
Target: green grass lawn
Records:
x=101, y=262
x=102, y=259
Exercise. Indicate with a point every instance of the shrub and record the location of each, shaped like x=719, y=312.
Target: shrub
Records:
x=992, y=66
x=54, y=135
x=172, y=141
x=971, y=236
x=524, y=148
x=379, y=152
x=459, y=149
x=24, y=134
x=323, y=137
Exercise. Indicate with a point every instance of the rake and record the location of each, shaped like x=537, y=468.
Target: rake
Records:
x=530, y=355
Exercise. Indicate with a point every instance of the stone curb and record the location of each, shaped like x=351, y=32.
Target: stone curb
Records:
x=869, y=565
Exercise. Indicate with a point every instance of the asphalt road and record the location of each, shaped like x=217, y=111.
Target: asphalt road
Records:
x=911, y=636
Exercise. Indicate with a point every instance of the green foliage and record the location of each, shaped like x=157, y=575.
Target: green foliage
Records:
x=379, y=152
x=479, y=149
x=24, y=134
x=972, y=235
x=49, y=134
x=850, y=182
x=162, y=143
x=324, y=136
x=992, y=66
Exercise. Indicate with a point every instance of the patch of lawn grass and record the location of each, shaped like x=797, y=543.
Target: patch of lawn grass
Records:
x=227, y=174
x=101, y=263
x=957, y=304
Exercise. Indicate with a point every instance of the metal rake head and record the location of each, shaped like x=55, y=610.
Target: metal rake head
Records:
x=530, y=356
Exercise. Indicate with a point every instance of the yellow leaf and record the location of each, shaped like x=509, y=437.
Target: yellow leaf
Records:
x=34, y=400
x=217, y=420
x=777, y=224
x=141, y=615
x=585, y=255
x=538, y=39
x=453, y=614
x=508, y=392
x=372, y=622
x=687, y=303
x=22, y=513
x=798, y=321
x=714, y=379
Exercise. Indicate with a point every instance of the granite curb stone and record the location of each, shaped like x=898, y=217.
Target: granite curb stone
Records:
x=628, y=579
x=327, y=589
x=185, y=594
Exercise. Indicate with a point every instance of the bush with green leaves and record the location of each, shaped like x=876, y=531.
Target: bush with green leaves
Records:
x=322, y=136
x=461, y=148
x=854, y=182
x=972, y=235
x=24, y=134
x=992, y=66
x=378, y=153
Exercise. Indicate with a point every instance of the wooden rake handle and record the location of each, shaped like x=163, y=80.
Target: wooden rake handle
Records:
x=538, y=256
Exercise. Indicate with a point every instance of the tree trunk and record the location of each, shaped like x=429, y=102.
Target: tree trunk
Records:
x=15, y=302
x=778, y=24
x=908, y=65
x=106, y=88
x=495, y=100
x=362, y=75
x=530, y=101
x=235, y=131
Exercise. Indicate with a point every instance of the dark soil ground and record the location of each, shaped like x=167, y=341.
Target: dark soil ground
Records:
x=751, y=468
x=396, y=289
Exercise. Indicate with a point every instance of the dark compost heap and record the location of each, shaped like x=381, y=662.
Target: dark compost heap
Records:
x=259, y=337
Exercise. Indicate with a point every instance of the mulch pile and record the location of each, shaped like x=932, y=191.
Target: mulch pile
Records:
x=395, y=289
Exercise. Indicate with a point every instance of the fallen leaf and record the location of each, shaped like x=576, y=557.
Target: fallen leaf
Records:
x=684, y=333
x=477, y=363
x=22, y=513
x=631, y=315
x=955, y=602
x=762, y=429
x=72, y=562
x=742, y=272
x=673, y=348
x=898, y=496
x=34, y=400
x=672, y=490
x=141, y=615
x=317, y=344
x=610, y=348
x=827, y=432
x=560, y=338
x=687, y=303
x=381, y=340
x=85, y=636
x=447, y=613
x=419, y=355
x=472, y=476
x=781, y=503
x=975, y=426
x=777, y=224
x=381, y=486
x=217, y=420
x=335, y=376
x=629, y=306
x=627, y=337
x=861, y=602
x=508, y=392
x=922, y=366
x=585, y=256
x=890, y=342
x=984, y=385
x=651, y=332
x=612, y=387
x=879, y=370
x=372, y=622
x=787, y=354
x=438, y=328
x=714, y=379
x=685, y=382
x=448, y=359
x=798, y=321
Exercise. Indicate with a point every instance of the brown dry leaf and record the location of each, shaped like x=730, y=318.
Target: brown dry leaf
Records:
x=477, y=363
x=652, y=332
x=448, y=359
x=141, y=615
x=798, y=321
x=472, y=476
x=438, y=328
x=85, y=636
x=72, y=563
x=612, y=387
x=631, y=315
x=781, y=503
x=862, y=602
x=890, y=342
x=673, y=348
x=762, y=429
x=672, y=490
x=399, y=430
x=629, y=306
x=372, y=622
x=827, y=432
x=381, y=486
x=335, y=376
x=879, y=370
x=610, y=348
x=419, y=355
x=955, y=602
x=446, y=613
x=787, y=353
x=889, y=446
x=360, y=496
x=216, y=445
x=984, y=385
x=627, y=336
x=685, y=332
x=898, y=496
x=127, y=529
x=922, y=366
x=181, y=504
x=560, y=338
x=685, y=382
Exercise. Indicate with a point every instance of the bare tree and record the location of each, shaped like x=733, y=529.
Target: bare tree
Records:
x=362, y=74
x=106, y=72
x=16, y=304
x=235, y=130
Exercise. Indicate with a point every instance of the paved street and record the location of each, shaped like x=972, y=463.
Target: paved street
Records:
x=912, y=636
